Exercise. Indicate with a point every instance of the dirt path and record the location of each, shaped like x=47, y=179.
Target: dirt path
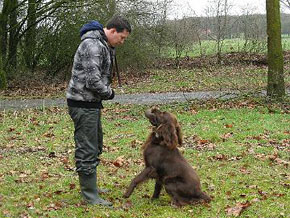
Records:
x=146, y=98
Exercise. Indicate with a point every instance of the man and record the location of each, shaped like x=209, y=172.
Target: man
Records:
x=88, y=86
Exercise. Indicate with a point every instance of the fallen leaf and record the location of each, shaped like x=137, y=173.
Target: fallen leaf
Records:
x=48, y=135
x=203, y=141
x=258, y=138
x=72, y=186
x=219, y=157
x=119, y=161
x=244, y=170
x=255, y=200
x=65, y=160
x=227, y=135
x=237, y=209
x=282, y=162
x=11, y=129
x=136, y=143
x=58, y=192
x=30, y=205
x=128, y=204
x=52, y=154
x=44, y=176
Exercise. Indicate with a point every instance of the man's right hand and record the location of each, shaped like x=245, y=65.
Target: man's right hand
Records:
x=112, y=95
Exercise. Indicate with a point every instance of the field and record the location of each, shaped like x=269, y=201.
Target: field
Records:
x=209, y=47
x=240, y=149
x=247, y=78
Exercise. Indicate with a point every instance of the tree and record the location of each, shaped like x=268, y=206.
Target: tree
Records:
x=13, y=35
x=3, y=81
x=30, y=36
x=19, y=20
x=181, y=37
x=286, y=3
x=219, y=10
x=3, y=30
x=276, y=86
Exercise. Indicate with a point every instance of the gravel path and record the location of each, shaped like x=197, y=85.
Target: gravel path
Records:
x=146, y=98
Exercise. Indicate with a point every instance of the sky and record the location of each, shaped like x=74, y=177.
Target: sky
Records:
x=187, y=6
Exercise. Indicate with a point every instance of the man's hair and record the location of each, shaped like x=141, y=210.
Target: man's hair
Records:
x=119, y=23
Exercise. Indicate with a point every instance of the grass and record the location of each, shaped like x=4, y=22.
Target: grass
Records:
x=249, y=78
x=209, y=47
x=239, y=149
x=213, y=78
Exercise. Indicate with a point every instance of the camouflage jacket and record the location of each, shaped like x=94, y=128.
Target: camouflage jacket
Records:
x=92, y=69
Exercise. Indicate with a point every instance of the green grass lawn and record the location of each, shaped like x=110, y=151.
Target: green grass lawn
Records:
x=239, y=149
x=244, y=78
x=209, y=47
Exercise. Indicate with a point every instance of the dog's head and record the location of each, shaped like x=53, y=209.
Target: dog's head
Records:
x=166, y=127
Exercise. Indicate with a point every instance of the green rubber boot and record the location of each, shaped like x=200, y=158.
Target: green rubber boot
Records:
x=88, y=185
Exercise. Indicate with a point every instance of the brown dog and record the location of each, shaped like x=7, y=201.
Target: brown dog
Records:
x=165, y=164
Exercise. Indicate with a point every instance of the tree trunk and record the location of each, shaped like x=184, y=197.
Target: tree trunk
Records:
x=13, y=38
x=3, y=81
x=276, y=86
x=30, y=36
x=3, y=31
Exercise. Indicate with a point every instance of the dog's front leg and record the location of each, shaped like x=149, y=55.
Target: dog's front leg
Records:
x=157, y=189
x=144, y=175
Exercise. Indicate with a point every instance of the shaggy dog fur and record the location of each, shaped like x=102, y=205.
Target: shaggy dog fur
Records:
x=165, y=164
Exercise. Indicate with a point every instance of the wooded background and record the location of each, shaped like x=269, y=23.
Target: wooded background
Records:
x=43, y=35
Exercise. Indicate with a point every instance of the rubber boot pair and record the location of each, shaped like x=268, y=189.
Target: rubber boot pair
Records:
x=88, y=185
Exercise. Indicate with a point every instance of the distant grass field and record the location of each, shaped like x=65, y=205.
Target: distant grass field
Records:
x=239, y=149
x=209, y=47
x=244, y=78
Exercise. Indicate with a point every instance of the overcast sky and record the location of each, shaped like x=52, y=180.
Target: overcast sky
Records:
x=199, y=6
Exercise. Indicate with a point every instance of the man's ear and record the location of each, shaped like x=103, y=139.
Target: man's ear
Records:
x=113, y=30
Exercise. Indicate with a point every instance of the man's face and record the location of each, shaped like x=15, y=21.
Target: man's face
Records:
x=115, y=38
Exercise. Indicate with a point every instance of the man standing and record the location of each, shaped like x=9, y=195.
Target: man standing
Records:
x=89, y=85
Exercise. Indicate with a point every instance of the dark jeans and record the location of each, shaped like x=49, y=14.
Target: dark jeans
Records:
x=88, y=136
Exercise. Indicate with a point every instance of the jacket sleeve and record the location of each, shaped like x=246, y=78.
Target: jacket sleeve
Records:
x=92, y=62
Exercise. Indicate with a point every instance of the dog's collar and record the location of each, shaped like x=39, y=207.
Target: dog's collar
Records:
x=155, y=128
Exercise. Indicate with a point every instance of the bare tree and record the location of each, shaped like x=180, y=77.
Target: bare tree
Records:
x=285, y=3
x=217, y=14
x=253, y=30
x=181, y=37
x=161, y=28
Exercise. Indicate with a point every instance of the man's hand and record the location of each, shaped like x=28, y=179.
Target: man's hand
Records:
x=112, y=95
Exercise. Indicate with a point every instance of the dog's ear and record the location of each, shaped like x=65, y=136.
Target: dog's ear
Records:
x=179, y=134
x=167, y=133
